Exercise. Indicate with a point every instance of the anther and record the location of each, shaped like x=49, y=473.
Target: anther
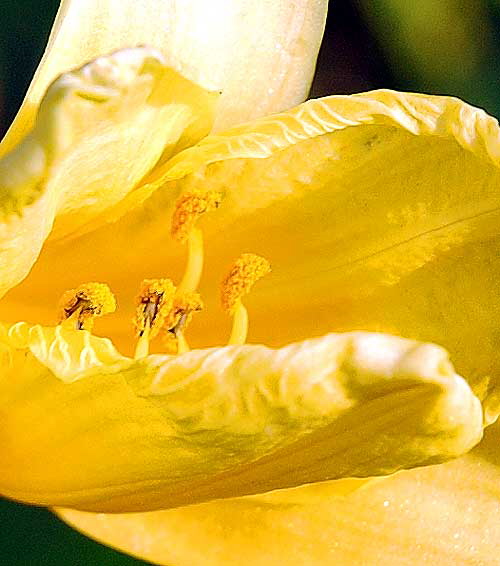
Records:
x=181, y=313
x=189, y=208
x=153, y=305
x=83, y=304
x=245, y=272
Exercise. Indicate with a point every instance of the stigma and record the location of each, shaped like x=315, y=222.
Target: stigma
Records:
x=83, y=304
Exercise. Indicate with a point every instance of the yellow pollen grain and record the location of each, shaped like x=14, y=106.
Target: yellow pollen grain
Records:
x=85, y=303
x=154, y=303
x=181, y=313
x=189, y=207
x=246, y=271
x=183, y=307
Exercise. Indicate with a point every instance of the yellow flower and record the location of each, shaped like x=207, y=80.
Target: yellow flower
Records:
x=379, y=215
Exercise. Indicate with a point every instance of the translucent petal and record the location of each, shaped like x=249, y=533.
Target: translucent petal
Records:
x=447, y=514
x=389, y=207
x=98, y=131
x=261, y=54
x=82, y=426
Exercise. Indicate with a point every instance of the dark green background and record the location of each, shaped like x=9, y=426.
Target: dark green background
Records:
x=32, y=536
x=368, y=44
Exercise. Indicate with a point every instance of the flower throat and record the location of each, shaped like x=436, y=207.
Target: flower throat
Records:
x=162, y=308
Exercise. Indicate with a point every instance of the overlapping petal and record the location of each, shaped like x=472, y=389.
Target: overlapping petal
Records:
x=388, y=204
x=261, y=54
x=391, y=205
x=447, y=514
x=84, y=427
x=98, y=131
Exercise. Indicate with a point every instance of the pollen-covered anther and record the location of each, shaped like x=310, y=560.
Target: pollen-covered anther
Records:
x=154, y=303
x=246, y=271
x=179, y=317
x=188, y=209
x=85, y=303
x=183, y=307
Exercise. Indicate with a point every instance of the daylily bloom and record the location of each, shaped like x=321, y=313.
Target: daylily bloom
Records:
x=379, y=216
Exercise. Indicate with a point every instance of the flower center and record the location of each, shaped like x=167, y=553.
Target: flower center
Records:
x=164, y=309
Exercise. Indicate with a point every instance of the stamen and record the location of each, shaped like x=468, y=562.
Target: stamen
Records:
x=154, y=303
x=184, y=305
x=246, y=271
x=83, y=304
x=194, y=265
x=188, y=209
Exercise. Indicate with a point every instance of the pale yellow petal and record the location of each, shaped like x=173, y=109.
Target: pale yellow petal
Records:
x=447, y=514
x=98, y=131
x=83, y=427
x=260, y=54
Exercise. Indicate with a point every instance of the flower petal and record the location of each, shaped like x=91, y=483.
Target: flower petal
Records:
x=447, y=514
x=99, y=130
x=389, y=204
x=83, y=427
x=262, y=55
x=389, y=207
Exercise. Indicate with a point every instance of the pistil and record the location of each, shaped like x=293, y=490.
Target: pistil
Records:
x=245, y=272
